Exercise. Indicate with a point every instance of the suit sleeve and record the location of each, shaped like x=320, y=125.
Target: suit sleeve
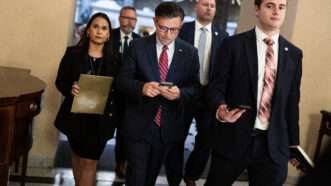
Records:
x=126, y=81
x=64, y=77
x=292, y=107
x=218, y=86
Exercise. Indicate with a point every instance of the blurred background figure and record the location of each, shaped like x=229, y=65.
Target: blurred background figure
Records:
x=122, y=36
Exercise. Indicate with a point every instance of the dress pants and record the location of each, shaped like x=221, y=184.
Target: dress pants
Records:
x=262, y=170
x=120, y=155
x=145, y=158
x=198, y=158
x=120, y=150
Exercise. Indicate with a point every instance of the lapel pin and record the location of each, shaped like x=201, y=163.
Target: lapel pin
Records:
x=286, y=49
x=180, y=50
x=216, y=33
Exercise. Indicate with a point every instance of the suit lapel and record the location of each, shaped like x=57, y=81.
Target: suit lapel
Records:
x=251, y=51
x=83, y=61
x=282, y=65
x=174, y=66
x=117, y=39
x=152, y=56
x=214, y=40
x=190, y=32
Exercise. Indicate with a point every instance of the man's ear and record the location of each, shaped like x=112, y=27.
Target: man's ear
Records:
x=154, y=20
x=257, y=9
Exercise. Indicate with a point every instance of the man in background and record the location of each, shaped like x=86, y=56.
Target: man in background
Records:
x=122, y=36
x=207, y=38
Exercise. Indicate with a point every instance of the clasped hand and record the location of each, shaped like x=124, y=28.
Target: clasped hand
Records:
x=153, y=89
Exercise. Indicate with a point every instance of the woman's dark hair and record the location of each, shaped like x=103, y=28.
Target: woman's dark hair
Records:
x=107, y=51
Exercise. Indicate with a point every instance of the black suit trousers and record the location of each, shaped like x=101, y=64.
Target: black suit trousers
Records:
x=262, y=171
x=120, y=155
x=145, y=158
x=198, y=158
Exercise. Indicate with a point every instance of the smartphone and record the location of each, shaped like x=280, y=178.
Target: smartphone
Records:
x=166, y=84
x=241, y=106
x=247, y=107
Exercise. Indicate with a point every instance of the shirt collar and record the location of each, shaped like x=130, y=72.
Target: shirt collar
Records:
x=160, y=45
x=260, y=35
x=123, y=35
x=198, y=26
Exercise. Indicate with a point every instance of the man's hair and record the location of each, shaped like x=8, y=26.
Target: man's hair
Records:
x=169, y=10
x=127, y=8
x=258, y=2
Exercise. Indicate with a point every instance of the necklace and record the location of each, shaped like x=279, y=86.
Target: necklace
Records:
x=95, y=68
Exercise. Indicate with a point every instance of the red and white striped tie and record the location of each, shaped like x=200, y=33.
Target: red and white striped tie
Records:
x=268, y=82
x=163, y=67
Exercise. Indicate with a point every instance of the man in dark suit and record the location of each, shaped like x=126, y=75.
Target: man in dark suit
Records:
x=122, y=36
x=207, y=38
x=255, y=97
x=159, y=78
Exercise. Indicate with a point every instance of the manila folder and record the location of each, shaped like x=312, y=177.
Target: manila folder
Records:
x=93, y=94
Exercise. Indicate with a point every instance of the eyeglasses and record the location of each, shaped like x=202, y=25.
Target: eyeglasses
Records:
x=129, y=18
x=165, y=29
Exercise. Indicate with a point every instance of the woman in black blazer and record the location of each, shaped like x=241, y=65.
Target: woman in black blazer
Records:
x=87, y=133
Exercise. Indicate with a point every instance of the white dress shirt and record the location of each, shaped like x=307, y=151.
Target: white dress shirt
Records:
x=170, y=51
x=122, y=35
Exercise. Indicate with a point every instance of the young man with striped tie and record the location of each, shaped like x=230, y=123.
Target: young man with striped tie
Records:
x=255, y=98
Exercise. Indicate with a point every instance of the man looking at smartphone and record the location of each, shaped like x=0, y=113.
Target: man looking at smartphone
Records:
x=153, y=121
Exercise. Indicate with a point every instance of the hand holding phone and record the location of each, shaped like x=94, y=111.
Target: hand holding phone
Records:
x=247, y=107
x=166, y=84
x=241, y=106
x=229, y=115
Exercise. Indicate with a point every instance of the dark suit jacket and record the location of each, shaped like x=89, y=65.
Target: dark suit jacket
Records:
x=117, y=38
x=187, y=34
x=117, y=44
x=236, y=83
x=75, y=62
x=141, y=66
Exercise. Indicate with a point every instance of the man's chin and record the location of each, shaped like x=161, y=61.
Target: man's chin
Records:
x=166, y=42
x=127, y=31
x=208, y=19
